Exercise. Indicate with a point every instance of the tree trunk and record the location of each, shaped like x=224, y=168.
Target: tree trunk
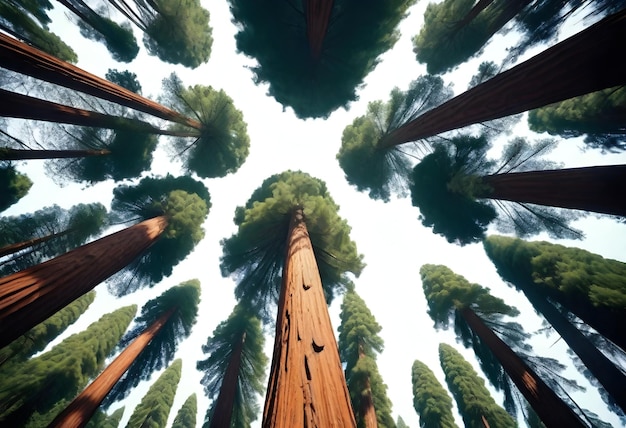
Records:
x=317, y=14
x=222, y=416
x=82, y=408
x=24, y=107
x=609, y=376
x=24, y=59
x=7, y=153
x=14, y=248
x=581, y=64
x=367, y=410
x=307, y=386
x=30, y=296
x=552, y=411
x=599, y=188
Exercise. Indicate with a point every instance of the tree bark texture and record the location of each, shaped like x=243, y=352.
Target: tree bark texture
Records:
x=367, y=409
x=317, y=15
x=307, y=387
x=552, y=411
x=78, y=413
x=24, y=107
x=24, y=59
x=18, y=154
x=32, y=295
x=583, y=63
x=223, y=413
x=609, y=376
x=14, y=248
x=600, y=189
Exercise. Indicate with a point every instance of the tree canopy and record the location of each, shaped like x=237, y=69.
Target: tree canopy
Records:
x=186, y=416
x=254, y=255
x=102, y=420
x=430, y=399
x=284, y=39
x=14, y=186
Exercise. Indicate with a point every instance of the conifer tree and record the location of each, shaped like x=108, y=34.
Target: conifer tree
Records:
x=102, y=420
x=430, y=399
x=186, y=416
x=359, y=343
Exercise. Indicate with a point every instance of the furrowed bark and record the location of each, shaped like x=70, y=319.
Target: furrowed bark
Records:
x=14, y=248
x=223, y=413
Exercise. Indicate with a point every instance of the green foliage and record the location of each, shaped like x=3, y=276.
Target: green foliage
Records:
x=400, y=423
x=59, y=374
x=179, y=32
x=595, y=115
x=184, y=201
x=155, y=406
x=368, y=163
x=13, y=186
x=275, y=34
x=102, y=420
x=36, y=339
x=468, y=389
x=186, y=416
x=222, y=145
x=359, y=344
x=431, y=401
x=255, y=254
x=125, y=79
x=240, y=325
x=183, y=300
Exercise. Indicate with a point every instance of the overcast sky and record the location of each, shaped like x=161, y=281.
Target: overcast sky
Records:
x=390, y=236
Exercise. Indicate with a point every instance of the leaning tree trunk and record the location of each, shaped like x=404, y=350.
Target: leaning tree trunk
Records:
x=82, y=408
x=24, y=59
x=583, y=63
x=19, y=154
x=599, y=189
x=223, y=412
x=610, y=377
x=24, y=107
x=306, y=385
x=14, y=248
x=30, y=296
x=552, y=411
x=366, y=408
x=317, y=14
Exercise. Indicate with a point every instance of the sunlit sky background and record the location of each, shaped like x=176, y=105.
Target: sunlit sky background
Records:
x=393, y=242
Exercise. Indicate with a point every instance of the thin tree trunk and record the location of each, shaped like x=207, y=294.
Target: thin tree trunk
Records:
x=600, y=189
x=24, y=59
x=222, y=416
x=24, y=107
x=32, y=295
x=306, y=385
x=7, y=153
x=14, y=248
x=610, y=377
x=552, y=411
x=82, y=408
x=583, y=63
x=317, y=14
x=367, y=410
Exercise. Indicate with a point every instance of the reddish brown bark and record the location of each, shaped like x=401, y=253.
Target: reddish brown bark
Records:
x=16, y=154
x=223, y=413
x=24, y=107
x=599, y=189
x=30, y=296
x=14, y=248
x=24, y=59
x=317, y=15
x=306, y=385
x=367, y=410
x=583, y=63
x=82, y=408
x=552, y=411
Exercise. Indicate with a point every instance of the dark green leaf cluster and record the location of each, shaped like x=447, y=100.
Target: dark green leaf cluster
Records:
x=102, y=420
x=359, y=344
x=184, y=201
x=222, y=144
x=13, y=186
x=126, y=79
x=430, y=400
x=240, y=327
x=183, y=300
x=59, y=374
x=473, y=400
x=186, y=416
x=367, y=162
x=155, y=406
x=255, y=254
x=278, y=37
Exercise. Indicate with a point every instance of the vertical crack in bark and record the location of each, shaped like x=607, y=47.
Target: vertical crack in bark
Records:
x=286, y=333
x=306, y=368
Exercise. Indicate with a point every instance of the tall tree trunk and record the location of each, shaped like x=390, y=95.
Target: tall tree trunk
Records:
x=223, y=413
x=317, y=15
x=610, y=377
x=306, y=385
x=14, y=248
x=583, y=63
x=24, y=59
x=367, y=409
x=30, y=296
x=82, y=408
x=24, y=107
x=552, y=411
x=598, y=188
x=7, y=153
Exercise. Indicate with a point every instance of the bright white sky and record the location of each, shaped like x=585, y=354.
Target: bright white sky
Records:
x=390, y=236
